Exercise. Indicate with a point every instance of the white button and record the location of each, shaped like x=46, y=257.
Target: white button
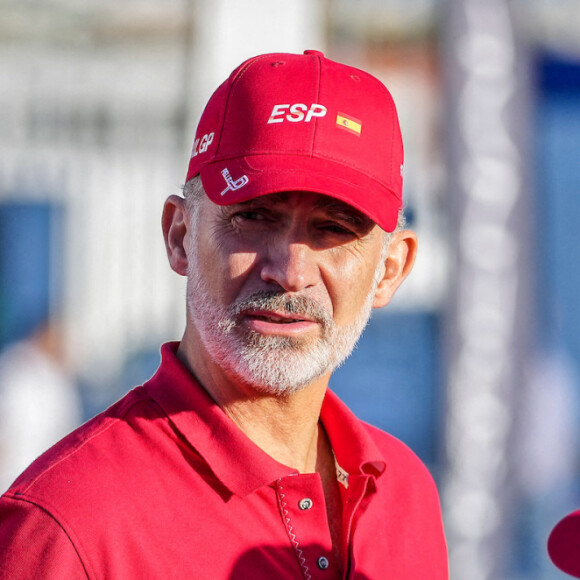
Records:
x=305, y=503
x=323, y=563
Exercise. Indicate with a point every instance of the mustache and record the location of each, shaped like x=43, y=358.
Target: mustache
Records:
x=272, y=300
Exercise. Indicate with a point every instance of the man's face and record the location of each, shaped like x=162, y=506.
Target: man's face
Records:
x=281, y=287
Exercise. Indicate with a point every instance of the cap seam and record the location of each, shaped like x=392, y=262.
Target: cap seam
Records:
x=315, y=132
x=233, y=81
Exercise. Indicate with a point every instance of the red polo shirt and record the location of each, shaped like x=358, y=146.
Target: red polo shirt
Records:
x=164, y=485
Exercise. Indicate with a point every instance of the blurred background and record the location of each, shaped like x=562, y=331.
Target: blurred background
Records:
x=476, y=363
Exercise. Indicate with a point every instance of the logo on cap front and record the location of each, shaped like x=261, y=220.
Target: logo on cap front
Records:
x=296, y=113
x=233, y=184
x=349, y=124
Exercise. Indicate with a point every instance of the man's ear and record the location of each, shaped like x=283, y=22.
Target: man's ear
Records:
x=174, y=223
x=398, y=264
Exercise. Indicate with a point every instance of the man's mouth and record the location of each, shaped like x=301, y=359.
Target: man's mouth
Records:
x=275, y=314
x=275, y=323
x=277, y=318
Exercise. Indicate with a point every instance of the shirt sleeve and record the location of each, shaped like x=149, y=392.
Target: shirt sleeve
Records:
x=34, y=545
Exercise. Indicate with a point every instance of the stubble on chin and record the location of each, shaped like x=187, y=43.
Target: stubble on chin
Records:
x=275, y=365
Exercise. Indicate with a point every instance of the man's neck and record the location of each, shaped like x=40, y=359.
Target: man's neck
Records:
x=284, y=427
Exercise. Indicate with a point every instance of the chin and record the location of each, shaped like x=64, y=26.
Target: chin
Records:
x=272, y=375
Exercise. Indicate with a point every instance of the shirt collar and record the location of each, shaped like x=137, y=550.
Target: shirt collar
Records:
x=235, y=460
x=354, y=448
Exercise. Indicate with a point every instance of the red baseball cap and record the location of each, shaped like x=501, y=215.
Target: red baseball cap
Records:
x=302, y=122
x=564, y=544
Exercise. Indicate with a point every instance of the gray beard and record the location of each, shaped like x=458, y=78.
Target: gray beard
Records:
x=274, y=365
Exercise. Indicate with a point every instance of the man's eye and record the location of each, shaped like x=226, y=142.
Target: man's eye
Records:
x=335, y=228
x=250, y=215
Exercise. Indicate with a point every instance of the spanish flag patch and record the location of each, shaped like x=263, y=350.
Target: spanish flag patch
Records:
x=349, y=124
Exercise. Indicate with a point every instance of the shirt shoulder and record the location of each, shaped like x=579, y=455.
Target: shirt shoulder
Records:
x=409, y=495
x=84, y=454
x=50, y=553
x=47, y=506
x=406, y=475
x=392, y=447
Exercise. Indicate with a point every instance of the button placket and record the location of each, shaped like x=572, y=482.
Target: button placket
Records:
x=302, y=506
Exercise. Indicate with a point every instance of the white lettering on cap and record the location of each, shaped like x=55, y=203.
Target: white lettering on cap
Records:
x=296, y=113
x=200, y=145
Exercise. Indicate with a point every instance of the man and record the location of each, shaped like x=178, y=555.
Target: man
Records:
x=234, y=460
x=564, y=544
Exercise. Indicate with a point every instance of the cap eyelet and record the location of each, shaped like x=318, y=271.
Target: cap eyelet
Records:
x=278, y=63
x=355, y=78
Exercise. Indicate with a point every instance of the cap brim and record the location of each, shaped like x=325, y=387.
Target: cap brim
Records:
x=564, y=544
x=257, y=175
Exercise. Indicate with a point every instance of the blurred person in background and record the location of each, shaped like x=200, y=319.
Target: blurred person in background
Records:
x=235, y=460
x=39, y=400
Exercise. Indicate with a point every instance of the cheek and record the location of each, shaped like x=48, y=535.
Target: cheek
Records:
x=228, y=273
x=349, y=284
x=223, y=266
x=240, y=265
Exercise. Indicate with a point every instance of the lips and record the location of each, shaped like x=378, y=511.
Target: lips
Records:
x=277, y=318
x=275, y=323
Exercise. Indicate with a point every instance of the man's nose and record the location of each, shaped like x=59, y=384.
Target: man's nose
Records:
x=291, y=265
